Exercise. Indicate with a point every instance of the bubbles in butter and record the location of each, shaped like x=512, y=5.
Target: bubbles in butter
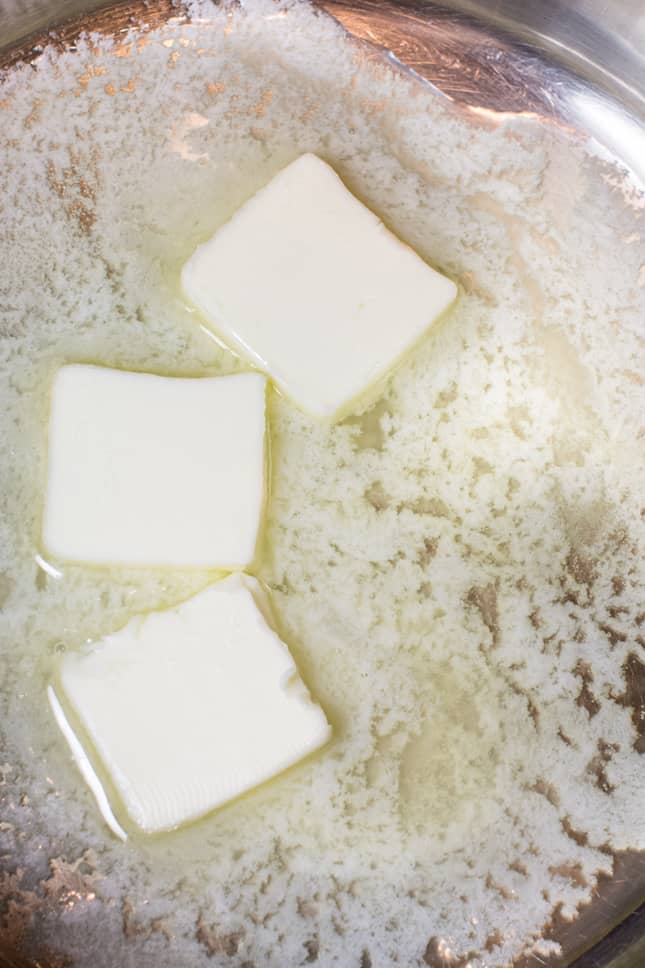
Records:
x=457, y=572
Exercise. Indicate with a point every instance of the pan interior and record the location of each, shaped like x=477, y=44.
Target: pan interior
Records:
x=457, y=570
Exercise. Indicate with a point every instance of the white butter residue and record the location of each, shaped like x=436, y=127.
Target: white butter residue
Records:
x=153, y=470
x=192, y=706
x=309, y=285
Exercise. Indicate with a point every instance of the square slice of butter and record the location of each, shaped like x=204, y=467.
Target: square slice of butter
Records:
x=153, y=470
x=308, y=284
x=190, y=707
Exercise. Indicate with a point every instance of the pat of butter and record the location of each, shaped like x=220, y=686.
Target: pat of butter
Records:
x=308, y=284
x=152, y=470
x=190, y=707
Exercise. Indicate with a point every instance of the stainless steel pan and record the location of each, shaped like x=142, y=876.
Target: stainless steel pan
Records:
x=581, y=64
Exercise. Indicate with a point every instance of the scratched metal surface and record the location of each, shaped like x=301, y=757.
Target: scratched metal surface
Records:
x=592, y=74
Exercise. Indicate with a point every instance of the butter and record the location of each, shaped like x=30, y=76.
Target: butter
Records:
x=307, y=284
x=156, y=471
x=190, y=707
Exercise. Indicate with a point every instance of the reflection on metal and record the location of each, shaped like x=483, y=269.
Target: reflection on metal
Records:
x=491, y=70
x=494, y=75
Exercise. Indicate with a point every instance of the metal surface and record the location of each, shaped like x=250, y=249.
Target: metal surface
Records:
x=579, y=65
x=600, y=40
x=502, y=66
x=624, y=947
x=596, y=37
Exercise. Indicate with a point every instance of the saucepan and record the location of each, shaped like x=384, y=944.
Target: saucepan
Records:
x=457, y=567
